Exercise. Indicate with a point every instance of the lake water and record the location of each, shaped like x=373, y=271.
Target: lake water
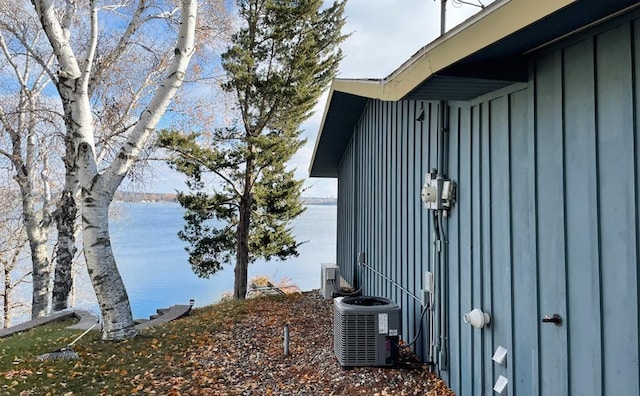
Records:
x=154, y=267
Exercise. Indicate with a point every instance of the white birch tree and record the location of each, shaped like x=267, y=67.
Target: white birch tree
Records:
x=79, y=72
x=12, y=244
x=28, y=125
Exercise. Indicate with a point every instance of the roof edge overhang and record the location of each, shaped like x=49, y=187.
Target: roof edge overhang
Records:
x=498, y=20
x=486, y=52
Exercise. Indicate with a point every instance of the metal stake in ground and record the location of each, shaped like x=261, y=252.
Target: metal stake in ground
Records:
x=286, y=340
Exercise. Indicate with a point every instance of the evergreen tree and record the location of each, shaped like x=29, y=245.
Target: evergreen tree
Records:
x=282, y=58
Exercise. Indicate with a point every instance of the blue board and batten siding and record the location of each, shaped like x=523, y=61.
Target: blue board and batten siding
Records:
x=378, y=214
x=546, y=221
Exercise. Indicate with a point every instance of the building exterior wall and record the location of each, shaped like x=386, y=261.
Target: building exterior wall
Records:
x=379, y=210
x=546, y=220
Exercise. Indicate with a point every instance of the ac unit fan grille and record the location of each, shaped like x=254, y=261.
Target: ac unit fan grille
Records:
x=356, y=339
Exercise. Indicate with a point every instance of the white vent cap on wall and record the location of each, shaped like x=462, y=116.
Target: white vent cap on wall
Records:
x=477, y=318
x=501, y=385
x=500, y=355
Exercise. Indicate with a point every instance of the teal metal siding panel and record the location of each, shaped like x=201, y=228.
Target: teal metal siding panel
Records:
x=550, y=222
x=403, y=189
x=524, y=350
x=365, y=197
x=581, y=202
x=476, y=285
x=486, y=259
x=360, y=197
x=453, y=276
x=397, y=186
x=393, y=183
x=617, y=210
x=418, y=213
x=377, y=164
x=386, y=183
x=410, y=273
x=417, y=281
x=500, y=235
x=462, y=217
x=346, y=215
x=636, y=88
x=489, y=165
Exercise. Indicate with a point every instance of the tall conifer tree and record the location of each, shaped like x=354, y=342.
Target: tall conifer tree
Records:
x=282, y=58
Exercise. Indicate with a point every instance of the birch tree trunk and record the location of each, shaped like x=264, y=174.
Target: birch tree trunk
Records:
x=12, y=245
x=6, y=306
x=9, y=265
x=65, y=216
x=112, y=296
x=98, y=188
x=40, y=259
x=36, y=221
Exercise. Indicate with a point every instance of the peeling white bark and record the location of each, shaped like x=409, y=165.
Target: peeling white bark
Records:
x=59, y=40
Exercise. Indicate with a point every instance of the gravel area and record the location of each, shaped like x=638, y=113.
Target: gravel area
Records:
x=247, y=357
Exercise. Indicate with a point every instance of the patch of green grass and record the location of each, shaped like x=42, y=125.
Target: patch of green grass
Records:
x=27, y=345
x=156, y=360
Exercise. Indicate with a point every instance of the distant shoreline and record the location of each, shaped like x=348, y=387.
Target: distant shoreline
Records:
x=124, y=196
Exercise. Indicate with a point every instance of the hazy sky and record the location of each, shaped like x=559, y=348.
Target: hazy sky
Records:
x=384, y=34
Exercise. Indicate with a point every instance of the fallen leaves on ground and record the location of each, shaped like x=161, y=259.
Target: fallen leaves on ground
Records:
x=231, y=348
x=248, y=357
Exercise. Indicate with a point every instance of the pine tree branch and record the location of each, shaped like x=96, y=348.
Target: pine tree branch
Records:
x=198, y=160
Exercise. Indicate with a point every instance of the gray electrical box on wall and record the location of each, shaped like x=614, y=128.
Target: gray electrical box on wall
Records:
x=438, y=193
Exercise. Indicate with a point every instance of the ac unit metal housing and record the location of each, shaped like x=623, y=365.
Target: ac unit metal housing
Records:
x=366, y=331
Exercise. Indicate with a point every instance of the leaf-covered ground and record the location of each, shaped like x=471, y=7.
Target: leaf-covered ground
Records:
x=231, y=348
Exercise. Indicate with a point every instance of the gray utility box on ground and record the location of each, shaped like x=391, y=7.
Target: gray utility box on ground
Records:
x=366, y=331
x=329, y=280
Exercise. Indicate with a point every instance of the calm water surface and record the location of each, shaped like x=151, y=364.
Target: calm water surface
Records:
x=154, y=267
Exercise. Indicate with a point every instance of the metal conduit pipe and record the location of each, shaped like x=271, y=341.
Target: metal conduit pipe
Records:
x=444, y=258
x=436, y=294
x=355, y=218
x=436, y=317
x=396, y=284
x=440, y=270
x=423, y=310
x=431, y=318
x=443, y=147
x=442, y=297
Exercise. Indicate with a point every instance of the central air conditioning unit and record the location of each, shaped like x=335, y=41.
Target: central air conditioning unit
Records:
x=366, y=331
x=329, y=280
